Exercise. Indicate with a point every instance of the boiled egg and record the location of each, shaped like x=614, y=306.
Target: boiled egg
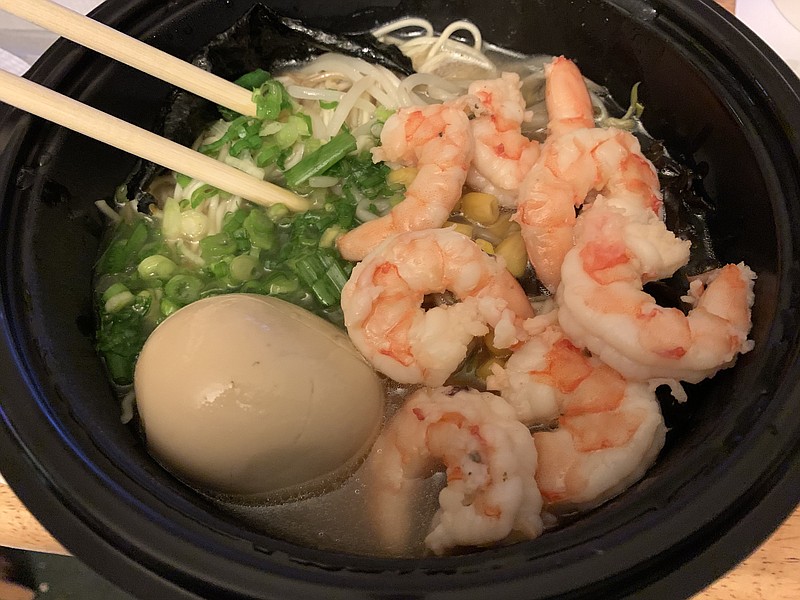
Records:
x=248, y=395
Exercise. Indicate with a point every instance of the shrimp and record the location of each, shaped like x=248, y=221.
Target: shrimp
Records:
x=490, y=459
x=610, y=430
x=503, y=156
x=576, y=161
x=382, y=304
x=602, y=304
x=437, y=139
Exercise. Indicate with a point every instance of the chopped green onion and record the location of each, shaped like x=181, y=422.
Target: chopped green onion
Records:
x=329, y=236
x=156, y=266
x=251, y=142
x=113, y=290
x=382, y=113
x=268, y=153
x=219, y=269
x=183, y=289
x=216, y=246
x=244, y=268
x=120, y=367
x=168, y=307
x=277, y=211
x=183, y=180
x=119, y=301
x=328, y=105
x=260, y=229
x=281, y=284
x=233, y=221
x=270, y=98
x=201, y=194
x=320, y=161
x=254, y=79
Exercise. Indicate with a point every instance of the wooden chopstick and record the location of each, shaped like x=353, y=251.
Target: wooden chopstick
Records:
x=96, y=124
x=110, y=42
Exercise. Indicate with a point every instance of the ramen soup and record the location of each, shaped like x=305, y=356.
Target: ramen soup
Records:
x=459, y=342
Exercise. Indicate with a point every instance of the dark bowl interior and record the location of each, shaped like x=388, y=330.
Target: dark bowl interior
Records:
x=730, y=471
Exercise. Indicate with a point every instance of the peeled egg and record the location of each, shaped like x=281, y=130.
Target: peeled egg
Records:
x=249, y=395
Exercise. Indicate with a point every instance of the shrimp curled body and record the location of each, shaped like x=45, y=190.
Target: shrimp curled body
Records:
x=609, y=430
x=382, y=304
x=603, y=307
x=490, y=459
x=503, y=155
x=437, y=140
x=577, y=160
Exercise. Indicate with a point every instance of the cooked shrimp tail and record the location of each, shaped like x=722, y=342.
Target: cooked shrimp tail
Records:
x=569, y=106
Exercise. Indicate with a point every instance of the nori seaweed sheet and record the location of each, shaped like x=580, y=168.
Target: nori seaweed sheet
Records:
x=687, y=211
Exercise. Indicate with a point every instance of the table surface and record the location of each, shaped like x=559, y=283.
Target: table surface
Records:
x=771, y=573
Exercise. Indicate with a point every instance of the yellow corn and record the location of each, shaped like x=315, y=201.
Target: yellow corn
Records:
x=502, y=226
x=464, y=228
x=485, y=245
x=488, y=341
x=404, y=175
x=485, y=369
x=512, y=249
x=480, y=208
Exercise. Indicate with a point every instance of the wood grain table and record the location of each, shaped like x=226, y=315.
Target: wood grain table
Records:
x=772, y=572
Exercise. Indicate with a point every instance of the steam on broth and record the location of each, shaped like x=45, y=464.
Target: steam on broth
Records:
x=487, y=364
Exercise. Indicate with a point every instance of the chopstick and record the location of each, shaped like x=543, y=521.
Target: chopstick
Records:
x=60, y=109
x=110, y=42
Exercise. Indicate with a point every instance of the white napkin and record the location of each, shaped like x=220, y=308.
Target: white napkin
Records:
x=773, y=26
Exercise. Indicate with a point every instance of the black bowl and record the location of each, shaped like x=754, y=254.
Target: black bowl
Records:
x=730, y=471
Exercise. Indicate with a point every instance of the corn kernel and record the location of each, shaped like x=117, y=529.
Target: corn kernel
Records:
x=403, y=175
x=502, y=226
x=480, y=208
x=485, y=245
x=512, y=249
x=463, y=228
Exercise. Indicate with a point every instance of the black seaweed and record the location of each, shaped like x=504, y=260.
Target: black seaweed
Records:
x=687, y=211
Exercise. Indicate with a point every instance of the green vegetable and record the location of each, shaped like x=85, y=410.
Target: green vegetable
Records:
x=216, y=246
x=204, y=192
x=254, y=79
x=270, y=99
x=320, y=161
x=183, y=289
x=260, y=229
x=244, y=268
x=156, y=266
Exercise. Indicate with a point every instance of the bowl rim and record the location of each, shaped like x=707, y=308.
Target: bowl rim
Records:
x=55, y=497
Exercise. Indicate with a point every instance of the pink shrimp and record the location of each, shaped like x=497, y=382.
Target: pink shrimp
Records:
x=436, y=139
x=503, y=156
x=576, y=161
x=609, y=430
x=382, y=304
x=602, y=304
x=490, y=459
